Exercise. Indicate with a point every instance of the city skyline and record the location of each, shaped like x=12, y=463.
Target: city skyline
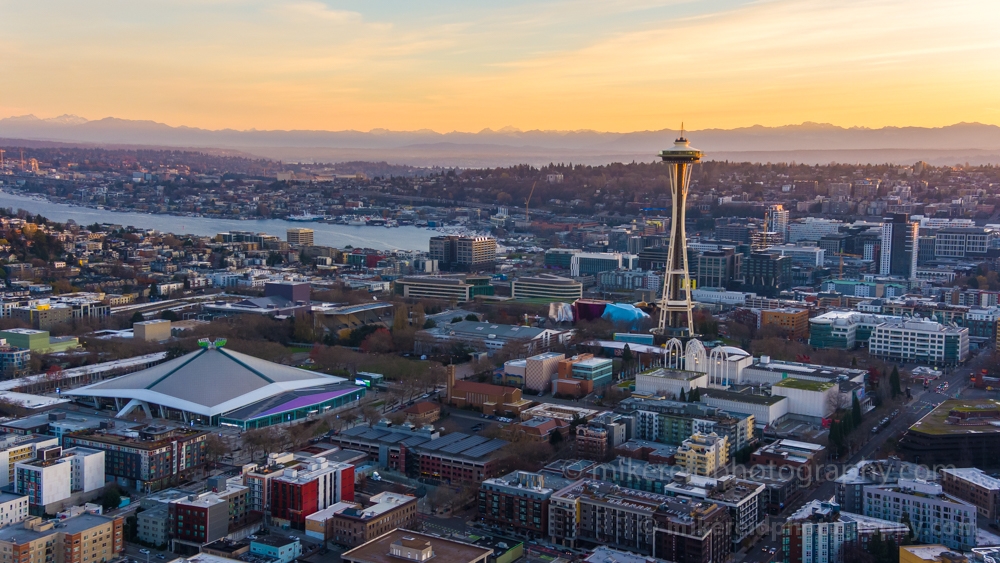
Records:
x=560, y=65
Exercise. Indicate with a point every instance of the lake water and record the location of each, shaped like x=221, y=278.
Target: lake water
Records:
x=339, y=236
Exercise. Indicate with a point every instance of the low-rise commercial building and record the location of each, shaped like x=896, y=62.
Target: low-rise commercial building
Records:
x=920, y=341
x=765, y=409
x=276, y=548
x=446, y=288
x=546, y=287
x=425, y=452
x=811, y=399
x=487, y=398
x=156, y=330
x=795, y=322
x=406, y=545
x=791, y=454
x=669, y=382
x=39, y=340
x=357, y=525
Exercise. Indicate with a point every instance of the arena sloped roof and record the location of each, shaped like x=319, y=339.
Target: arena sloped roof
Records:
x=209, y=382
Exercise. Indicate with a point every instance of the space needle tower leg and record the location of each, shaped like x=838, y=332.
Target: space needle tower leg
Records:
x=676, y=319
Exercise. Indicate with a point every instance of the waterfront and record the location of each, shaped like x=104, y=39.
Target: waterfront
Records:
x=339, y=236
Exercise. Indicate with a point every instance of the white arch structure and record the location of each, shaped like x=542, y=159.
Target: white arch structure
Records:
x=694, y=356
x=725, y=365
x=673, y=354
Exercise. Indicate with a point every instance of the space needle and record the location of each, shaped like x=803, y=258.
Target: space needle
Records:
x=676, y=319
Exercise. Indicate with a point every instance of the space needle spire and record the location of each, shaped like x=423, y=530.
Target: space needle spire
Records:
x=676, y=319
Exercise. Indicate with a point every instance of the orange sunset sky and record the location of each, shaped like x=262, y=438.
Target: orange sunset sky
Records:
x=607, y=65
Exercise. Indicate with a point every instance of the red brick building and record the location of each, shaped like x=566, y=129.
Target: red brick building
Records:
x=309, y=488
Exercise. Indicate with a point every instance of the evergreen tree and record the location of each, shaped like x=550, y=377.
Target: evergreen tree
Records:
x=695, y=395
x=877, y=548
x=682, y=397
x=905, y=520
x=894, y=383
x=856, y=411
x=836, y=436
x=891, y=551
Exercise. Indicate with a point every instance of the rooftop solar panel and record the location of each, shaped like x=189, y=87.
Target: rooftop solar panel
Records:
x=374, y=434
x=394, y=437
x=464, y=444
x=444, y=441
x=485, y=449
x=414, y=441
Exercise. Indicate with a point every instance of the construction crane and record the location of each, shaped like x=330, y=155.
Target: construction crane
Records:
x=527, y=219
x=841, y=255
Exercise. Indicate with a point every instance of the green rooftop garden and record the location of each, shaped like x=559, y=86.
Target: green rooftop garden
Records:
x=804, y=384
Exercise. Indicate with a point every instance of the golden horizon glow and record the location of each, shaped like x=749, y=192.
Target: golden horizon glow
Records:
x=454, y=65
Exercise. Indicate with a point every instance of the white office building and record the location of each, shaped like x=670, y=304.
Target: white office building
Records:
x=593, y=263
x=920, y=340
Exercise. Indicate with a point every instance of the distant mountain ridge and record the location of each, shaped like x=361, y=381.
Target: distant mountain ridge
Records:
x=508, y=144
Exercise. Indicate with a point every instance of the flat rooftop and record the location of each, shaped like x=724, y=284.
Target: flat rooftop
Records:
x=974, y=476
x=17, y=533
x=804, y=384
x=558, y=412
x=377, y=550
x=743, y=397
x=677, y=374
x=935, y=422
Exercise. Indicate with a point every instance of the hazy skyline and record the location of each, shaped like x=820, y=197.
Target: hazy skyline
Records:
x=455, y=65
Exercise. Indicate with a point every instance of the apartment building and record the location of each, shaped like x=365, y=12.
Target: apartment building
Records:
x=308, y=488
x=57, y=474
x=598, y=438
x=15, y=448
x=519, y=501
x=589, y=513
x=703, y=454
x=975, y=487
x=203, y=518
x=13, y=508
x=935, y=517
x=815, y=533
x=85, y=538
